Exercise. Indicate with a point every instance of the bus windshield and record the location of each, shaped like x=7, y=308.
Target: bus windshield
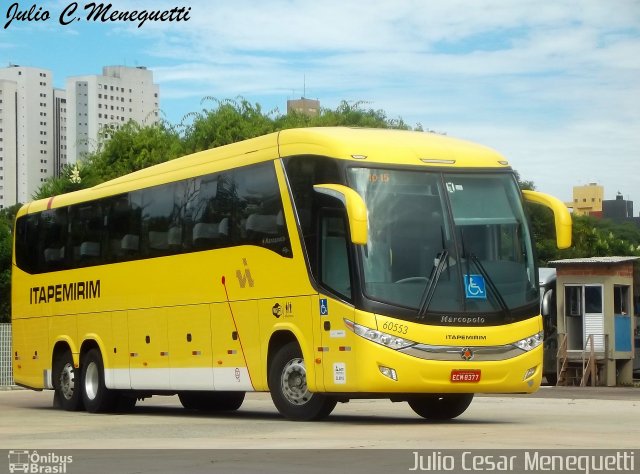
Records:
x=445, y=243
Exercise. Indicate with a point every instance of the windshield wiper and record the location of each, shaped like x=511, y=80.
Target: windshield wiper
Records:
x=487, y=278
x=430, y=289
x=492, y=286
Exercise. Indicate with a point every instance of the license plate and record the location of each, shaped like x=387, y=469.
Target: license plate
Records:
x=465, y=376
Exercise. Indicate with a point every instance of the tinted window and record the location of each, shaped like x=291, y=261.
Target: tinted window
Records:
x=334, y=250
x=52, y=234
x=26, y=240
x=258, y=218
x=303, y=172
x=123, y=227
x=86, y=232
x=239, y=207
x=211, y=208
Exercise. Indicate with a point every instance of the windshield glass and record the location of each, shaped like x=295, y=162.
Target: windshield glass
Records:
x=418, y=257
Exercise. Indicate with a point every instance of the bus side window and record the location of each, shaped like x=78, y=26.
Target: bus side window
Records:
x=53, y=238
x=211, y=210
x=156, y=217
x=183, y=194
x=257, y=214
x=118, y=227
x=86, y=234
x=334, y=254
x=26, y=240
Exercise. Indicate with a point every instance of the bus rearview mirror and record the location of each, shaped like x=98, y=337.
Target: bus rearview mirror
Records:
x=355, y=206
x=562, y=216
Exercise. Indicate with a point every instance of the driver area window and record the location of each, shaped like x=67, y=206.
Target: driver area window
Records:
x=334, y=254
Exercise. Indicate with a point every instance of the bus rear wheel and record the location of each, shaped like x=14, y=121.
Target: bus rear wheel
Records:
x=440, y=406
x=66, y=382
x=211, y=401
x=288, y=386
x=97, y=398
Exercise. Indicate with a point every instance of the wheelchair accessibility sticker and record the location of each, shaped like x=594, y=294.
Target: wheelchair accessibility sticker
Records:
x=474, y=287
x=324, y=307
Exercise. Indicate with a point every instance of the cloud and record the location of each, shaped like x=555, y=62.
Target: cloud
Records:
x=380, y=41
x=552, y=86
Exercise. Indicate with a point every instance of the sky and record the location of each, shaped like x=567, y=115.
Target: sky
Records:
x=553, y=86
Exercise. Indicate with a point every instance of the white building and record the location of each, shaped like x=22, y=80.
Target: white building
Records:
x=97, y=105
x=26, y=132
x=42, y=128
x=59, y=130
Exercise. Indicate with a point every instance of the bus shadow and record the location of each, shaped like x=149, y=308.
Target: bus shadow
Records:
x=169, y=411
x=259, y=415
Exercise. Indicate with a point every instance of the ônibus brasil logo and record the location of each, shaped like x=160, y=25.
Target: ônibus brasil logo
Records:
x=34, y=462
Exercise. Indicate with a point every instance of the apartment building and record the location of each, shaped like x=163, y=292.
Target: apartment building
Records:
x=26, y=132
x=59, y=130
x=587, y=200
x=97, y=105
x=42, y=128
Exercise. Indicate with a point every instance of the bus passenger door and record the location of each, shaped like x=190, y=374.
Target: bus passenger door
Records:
x=336, y=341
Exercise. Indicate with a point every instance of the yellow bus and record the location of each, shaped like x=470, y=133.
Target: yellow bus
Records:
x=319, y=264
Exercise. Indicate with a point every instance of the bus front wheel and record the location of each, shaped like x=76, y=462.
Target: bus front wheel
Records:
x=66, y=382
x=434, y=406
x=97, y=398
x=288, y=386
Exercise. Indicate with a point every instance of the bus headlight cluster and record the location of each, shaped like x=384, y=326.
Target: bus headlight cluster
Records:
x=530, y=342
x=379, y=337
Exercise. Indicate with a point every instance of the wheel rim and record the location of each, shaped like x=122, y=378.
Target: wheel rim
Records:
x=294, y=382
x=91, y=381
x=67, y=381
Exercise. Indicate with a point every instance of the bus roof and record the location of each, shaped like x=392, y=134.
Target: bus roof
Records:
x=388, y=146
x=394, y=147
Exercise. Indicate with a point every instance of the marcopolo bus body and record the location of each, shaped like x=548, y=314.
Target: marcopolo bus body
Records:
x=318, y=264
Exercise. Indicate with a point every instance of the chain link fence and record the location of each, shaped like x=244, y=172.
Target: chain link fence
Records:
x=6, y=372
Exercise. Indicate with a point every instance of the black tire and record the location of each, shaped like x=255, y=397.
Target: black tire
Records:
x=288, y=386
x=97, y=398
x=66, y=383
x=440, y=406
x=211, y=401
x=552, y=379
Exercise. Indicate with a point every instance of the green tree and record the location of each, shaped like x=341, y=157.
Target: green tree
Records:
x=542, y=226
x=591, y=237
x=231, y=121
x=72, y=178
x=228, y=122
x=133, y=147
x=128, y=149
x=353, y=115
x=7, y=217
x=597, y=238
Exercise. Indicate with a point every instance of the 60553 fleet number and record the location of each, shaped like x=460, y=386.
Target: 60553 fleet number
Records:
x=395, y=327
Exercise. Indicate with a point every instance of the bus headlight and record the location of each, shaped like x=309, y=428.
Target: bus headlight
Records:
x=379, y=337
x=531, y=342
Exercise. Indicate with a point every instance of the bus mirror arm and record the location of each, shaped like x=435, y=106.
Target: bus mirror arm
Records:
x=355, y=206
x=561, y=214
